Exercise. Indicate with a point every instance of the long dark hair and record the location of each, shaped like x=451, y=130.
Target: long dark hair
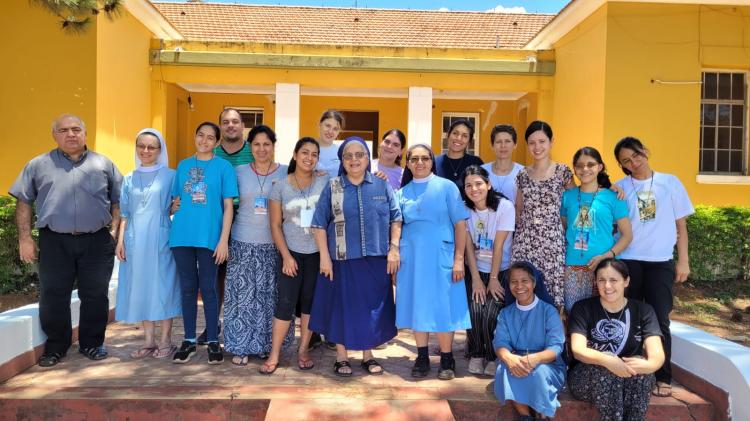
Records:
x=503, y=128
x=401, y=138
x=408, y=176
x=261, y=128
x=615, y=264
x=536, y=126
x=634, y=145
x=463, y=122
x=493, y=196
x=293, y=162
x=602, y=178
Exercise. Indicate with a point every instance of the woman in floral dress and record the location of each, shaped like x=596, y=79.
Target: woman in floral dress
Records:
x=539, y=236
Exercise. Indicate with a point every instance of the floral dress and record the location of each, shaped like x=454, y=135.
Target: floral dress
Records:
x=539, y=236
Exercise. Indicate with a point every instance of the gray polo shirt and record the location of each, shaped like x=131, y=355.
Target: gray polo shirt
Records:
x=70, y=197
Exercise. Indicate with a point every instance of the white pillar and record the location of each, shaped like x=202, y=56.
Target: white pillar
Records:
x=287, y=120
x=420, y=116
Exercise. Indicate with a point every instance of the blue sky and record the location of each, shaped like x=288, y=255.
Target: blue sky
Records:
x=531, y=6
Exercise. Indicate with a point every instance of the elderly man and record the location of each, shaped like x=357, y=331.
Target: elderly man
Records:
x=77, y=196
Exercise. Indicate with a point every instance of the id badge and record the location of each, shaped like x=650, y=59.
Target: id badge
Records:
x=260, y=207
x=305, y=218
x=198, y=193
x=582, y=240
x=485, y=249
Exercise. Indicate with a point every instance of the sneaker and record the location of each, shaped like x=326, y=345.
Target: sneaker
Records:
x=476, y=365
x=186, y=351
x=490, y=369
x=215, y=355
x=421, y=367
x=447, y=370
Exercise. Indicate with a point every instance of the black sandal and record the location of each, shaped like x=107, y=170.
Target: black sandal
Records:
x=338, y=365
x=49, y=359
x=95, y=353
x=369, y=364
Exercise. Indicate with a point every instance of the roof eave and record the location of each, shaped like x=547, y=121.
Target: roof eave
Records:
x=152, y=19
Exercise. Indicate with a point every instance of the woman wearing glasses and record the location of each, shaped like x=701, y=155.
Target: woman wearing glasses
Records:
x=357, y=225
x=148, y=290
x=389, y=157
x=430, y=291
x=658, y=205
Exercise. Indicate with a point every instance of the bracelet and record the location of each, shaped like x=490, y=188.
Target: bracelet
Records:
x=614, y=255
x=392, y=244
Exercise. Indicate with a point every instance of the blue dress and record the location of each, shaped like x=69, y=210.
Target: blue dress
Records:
x=427, y=300
x=531, y=331
x=148, y=288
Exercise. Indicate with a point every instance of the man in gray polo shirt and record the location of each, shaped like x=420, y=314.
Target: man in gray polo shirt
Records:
x=77, y=197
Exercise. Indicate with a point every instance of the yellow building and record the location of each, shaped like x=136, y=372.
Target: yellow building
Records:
x=673, y=73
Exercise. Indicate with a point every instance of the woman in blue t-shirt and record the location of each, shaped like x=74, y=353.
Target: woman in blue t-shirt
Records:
x=205, y=185
x=588, y=214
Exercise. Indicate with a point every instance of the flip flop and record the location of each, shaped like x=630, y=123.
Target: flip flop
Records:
x=143, y=352
x=267, y=368
x=305, y=363
x=240, y=360
x=662, y=390
x=164, y=352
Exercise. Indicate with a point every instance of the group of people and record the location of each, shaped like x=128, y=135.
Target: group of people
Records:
x=550, y=278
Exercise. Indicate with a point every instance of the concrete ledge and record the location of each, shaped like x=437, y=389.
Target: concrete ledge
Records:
x=22, y=324
x=719, y=362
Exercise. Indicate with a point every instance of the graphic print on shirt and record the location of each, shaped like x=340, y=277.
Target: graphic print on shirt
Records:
x=196, y=186
x=646, y=205
x=482, y=241
x=610, y=335
x=583, y=224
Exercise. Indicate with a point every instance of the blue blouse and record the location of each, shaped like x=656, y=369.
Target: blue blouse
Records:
x=369, y=209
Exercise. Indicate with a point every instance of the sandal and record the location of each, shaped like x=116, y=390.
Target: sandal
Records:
x=95, y=353
x=240, y=360
x=369, y=365
x=164, y=352
x=662, y=390
x=305, y=363
x=338, y=365
x=268, y=368
x=50, y=358
x=143, y=352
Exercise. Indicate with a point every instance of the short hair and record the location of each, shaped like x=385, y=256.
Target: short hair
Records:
x=261, y=128
x=226, y=110
x=503, y=128
x=67, y=115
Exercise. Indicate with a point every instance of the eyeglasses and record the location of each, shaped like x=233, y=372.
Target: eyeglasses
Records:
x=587, y=166
x=147, y=148
x=356, y=155
x=74, y=130
x=418, y=159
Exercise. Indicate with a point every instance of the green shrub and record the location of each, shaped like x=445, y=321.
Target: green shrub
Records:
x=15, y=276
x=719, y=243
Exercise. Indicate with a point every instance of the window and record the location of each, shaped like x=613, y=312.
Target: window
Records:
x=449, y=118
x=723, y=120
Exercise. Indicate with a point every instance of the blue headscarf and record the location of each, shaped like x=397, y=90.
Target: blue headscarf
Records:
x=341, y=153
x=540, y=289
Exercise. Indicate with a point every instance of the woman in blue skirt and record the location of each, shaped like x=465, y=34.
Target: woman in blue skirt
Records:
x=357, y=225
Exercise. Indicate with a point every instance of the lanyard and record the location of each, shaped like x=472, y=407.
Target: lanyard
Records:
x=265, y=177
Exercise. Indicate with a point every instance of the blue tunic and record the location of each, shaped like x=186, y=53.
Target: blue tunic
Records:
x=426, y=298
x=531, y=331
x=148, y=288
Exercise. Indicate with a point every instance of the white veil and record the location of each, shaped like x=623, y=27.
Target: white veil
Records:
x=161, y=161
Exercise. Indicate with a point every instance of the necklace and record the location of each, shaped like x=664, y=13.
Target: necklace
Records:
x=619, y=317
x=309, y=189
x=147, y=191
x=265, y=176
x=454, y=169
x=643, y=202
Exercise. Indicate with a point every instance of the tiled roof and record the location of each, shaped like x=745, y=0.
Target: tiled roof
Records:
x=348, y=26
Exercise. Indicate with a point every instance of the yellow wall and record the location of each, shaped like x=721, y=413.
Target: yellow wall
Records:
x=45, y=73
x=579, y=99
x=674, y=43
x=123, y=79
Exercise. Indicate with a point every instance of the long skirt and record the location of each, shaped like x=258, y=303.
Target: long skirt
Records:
x=538, y=390
x=250, y=299
x=356, y=308
x=579, y=284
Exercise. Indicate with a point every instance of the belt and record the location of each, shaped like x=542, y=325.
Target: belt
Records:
x=74, y=233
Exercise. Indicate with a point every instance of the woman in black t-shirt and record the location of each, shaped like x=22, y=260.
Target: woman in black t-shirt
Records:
x=617, y=346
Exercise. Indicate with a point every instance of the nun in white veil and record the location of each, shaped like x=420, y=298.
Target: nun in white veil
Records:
x=148, y=289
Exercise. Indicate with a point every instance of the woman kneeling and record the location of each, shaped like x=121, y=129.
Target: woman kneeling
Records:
x=617, y=345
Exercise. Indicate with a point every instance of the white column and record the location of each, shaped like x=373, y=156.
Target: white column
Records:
x=420, y=115
x=287, y=120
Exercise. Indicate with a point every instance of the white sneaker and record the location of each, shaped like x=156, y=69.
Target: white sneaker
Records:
x=476, y=366
x=490, y=369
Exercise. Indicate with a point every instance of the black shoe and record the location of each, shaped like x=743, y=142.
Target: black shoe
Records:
x=421, y=367
x=49, y=359
x=215, y=355
x=186, y=351
x=315, y=341
x=447, y=370
x=95, y=353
